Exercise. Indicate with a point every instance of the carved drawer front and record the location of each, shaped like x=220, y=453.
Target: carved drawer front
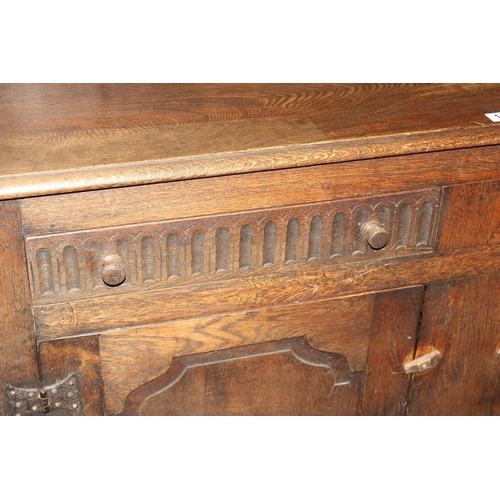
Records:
x=145, y=256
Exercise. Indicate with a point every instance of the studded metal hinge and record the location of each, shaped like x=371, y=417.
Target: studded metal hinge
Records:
x=61, y=396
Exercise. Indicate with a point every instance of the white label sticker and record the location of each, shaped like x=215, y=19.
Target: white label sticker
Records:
x=494, y=117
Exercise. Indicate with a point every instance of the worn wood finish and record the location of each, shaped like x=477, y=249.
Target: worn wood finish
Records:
x=394, y=333
x=276, y=378
x=471, y=216
x=461, y=319
x=131, y=358
x=18, y=357
x=107, y=313
x=202, y=230
x=235, y=193
x=33, y=108
x=80, y=357
x=69, y=266
x=74, y=138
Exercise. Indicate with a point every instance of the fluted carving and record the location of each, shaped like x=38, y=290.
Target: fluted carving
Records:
x=216, y=247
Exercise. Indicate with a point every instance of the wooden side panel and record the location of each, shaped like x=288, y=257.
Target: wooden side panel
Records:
x=80, y=356
x=461, y=319
x=18, y=358
x=471, y=216
x=276, y=378
x=396, y=317
x=131, y=358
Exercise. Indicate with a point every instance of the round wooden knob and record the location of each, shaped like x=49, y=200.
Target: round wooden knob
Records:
x=112, y=271
x=375, y=234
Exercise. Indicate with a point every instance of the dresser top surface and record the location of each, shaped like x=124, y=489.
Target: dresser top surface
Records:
x=58, y=138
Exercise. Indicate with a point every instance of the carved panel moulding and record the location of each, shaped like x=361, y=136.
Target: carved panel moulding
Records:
x=298, y=380
x=68, y=266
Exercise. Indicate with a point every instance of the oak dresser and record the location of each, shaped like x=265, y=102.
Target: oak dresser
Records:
x=223, y=249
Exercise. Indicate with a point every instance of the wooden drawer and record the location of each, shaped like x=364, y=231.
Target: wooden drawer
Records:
x=181, y=262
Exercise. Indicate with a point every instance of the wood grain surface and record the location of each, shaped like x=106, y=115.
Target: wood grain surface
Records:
x=471, y=216
x=133, y=357
x=396, y=317
x=18, y=355
x=79, y=356
x=107, y=313
x=234, y=193
x=276, y=378
x=461, y=319
x=64, y=138
x=211, y=321
x=67, y=266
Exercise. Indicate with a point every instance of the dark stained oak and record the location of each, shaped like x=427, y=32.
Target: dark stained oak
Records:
x=394, y=334
x=277, y=378
x=143, y=257
x=131, y=358
x=461, y=319
x=471, y=216
x=260, y=249
x=63, y=108
x=235, y=193
x=66, y=138
x=18, y=356
x=128, y=310
x=79, y=356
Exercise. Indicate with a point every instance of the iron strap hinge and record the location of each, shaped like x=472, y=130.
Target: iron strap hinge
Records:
x=63, y=395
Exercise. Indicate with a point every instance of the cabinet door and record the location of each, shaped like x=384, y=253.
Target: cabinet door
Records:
x=300, y=359
x=461, y=319
x=275, y=378
x=334, y=357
